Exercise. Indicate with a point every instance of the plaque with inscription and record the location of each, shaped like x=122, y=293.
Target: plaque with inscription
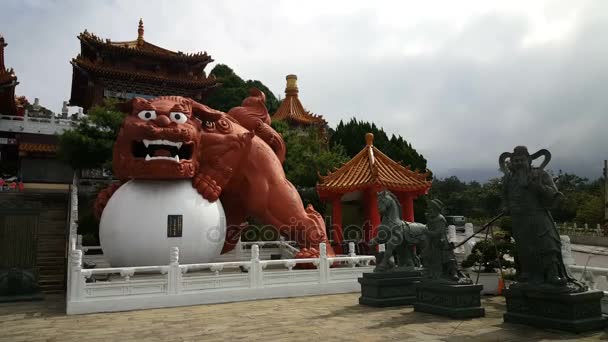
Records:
x=174, y=225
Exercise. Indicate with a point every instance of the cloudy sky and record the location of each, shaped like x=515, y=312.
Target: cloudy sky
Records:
x=462, y=81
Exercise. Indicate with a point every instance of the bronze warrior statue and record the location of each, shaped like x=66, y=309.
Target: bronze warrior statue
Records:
x=528, y=193
x=438, y=256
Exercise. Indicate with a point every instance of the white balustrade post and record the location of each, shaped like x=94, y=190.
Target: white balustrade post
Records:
x=255, y=270
x=598, y=230
x=381, y=248
x=452, y=233
x=281, y=245
x=586, y=227
x=79, y=241
x=351, y=249
x=468, y=229
x=174, y=275
x=239, y=250
x=323, y=264
x=73, y=230
x=76, y=277
x=566, y=250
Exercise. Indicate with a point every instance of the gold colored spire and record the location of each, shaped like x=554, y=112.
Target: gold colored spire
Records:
x=140, y=32
x=292, y=85
x=369, y=139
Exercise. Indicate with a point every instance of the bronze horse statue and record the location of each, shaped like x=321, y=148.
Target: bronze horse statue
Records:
x=398, y=236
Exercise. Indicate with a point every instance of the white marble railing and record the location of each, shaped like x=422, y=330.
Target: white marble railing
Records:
x=242, y=251
x=39, y=125
x=586, y=229
x=595, y=277
x=128, y=288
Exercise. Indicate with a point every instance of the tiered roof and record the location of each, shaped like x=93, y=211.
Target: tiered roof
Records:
x=291, y=108
x=141, y=48
x=372, y=168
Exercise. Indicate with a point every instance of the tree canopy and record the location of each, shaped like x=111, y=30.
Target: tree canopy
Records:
x=351, y=135
x=583, y=199
x=89, y=145
x=233, y=90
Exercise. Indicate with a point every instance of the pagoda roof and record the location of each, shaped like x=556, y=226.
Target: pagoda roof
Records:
x=140, y=47
x=101, y=69
x=372, y=168
x=291, y=109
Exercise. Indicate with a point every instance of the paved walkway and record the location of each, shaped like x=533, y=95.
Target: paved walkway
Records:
x=321, y=318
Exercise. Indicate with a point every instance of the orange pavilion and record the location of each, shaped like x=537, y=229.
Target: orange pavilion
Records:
x=369, y=172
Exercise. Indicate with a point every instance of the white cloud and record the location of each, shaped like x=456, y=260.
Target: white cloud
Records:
x=461, y=80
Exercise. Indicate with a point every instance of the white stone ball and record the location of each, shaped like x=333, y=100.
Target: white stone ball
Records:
x=134, y=224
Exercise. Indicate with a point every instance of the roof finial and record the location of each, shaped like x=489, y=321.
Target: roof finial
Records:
x=369, y=139
x=140, y=32
x=292, y=85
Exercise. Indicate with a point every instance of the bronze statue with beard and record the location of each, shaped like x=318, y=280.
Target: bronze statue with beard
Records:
x=528, y=193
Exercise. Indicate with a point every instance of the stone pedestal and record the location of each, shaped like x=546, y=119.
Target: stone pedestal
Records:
x=384, y=289
x=572, y=312
x=454, y=301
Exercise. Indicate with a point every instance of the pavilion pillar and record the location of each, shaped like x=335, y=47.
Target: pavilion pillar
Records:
x=338, y=234
x=407, y=206
x=374, y=214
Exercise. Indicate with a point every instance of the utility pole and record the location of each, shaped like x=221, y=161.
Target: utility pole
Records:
x=606, y=192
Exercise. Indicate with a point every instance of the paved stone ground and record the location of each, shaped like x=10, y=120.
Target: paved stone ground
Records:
x=321, y=318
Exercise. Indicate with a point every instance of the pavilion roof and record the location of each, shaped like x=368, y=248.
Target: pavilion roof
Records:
x=101, y=69
x=292, y=110
x=372, y=168
x=143, y=48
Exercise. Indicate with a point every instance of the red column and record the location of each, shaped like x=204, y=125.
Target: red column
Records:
x=374, y=215
x=338, y=235
x=407, y=206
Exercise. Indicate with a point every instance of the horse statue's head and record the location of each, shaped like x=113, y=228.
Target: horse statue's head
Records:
x=388, y=205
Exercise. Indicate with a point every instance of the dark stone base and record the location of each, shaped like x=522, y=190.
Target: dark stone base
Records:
x=22, y=298
x=385, y=289
x=571, y=312
x=454, y=301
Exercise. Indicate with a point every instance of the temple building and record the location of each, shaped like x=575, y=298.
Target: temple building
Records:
x=8, y=81
x=292, y=111
x=354, y=187
x=136, y=68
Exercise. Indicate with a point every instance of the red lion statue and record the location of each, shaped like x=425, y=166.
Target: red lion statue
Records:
x=235, y=156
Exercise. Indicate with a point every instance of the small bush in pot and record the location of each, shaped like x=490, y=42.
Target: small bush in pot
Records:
x=483, y=257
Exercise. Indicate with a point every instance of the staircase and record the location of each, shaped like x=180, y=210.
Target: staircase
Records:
x=41, y=217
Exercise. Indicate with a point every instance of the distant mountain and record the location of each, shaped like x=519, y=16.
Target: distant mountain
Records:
x=481, y=175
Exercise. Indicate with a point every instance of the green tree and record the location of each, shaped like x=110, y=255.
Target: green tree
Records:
x=351, y=135
x=89, y=145
x=307, y=156
x=590, y=210
x=233, y=90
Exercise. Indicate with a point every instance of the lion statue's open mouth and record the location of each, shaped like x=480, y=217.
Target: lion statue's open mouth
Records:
x=160, y=149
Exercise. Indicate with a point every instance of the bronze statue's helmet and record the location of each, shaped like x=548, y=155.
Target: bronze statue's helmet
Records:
x=436, y=204
x=523, y=151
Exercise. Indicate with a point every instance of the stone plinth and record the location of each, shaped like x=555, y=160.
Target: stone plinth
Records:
x=454, y=301
x=384, y=289
x=572, y=312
